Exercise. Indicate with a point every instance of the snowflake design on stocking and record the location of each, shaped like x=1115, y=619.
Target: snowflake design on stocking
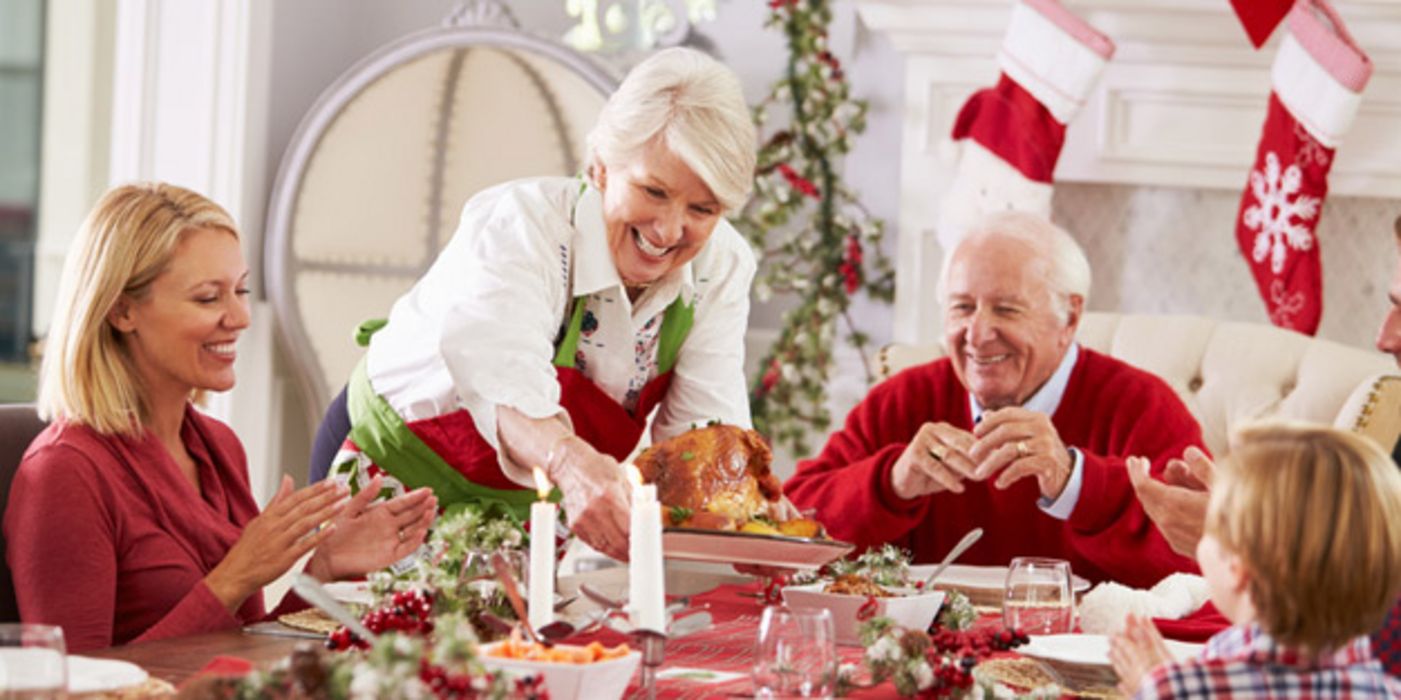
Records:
x=1278, y=203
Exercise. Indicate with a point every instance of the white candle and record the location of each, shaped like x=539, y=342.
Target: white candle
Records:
x=646, y=580
x=542, y=555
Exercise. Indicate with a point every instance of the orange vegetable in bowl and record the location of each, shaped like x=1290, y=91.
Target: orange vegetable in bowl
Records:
x=516, y=648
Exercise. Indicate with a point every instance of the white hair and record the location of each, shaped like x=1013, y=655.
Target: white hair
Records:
x=696, y=105
x=1067, y=270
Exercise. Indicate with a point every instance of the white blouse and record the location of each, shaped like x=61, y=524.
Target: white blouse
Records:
x=477, y=331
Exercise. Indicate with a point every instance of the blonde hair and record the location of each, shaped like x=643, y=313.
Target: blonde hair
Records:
x=1314, y=513
x=1066, y=269
x=86, y=375
x=696, y=106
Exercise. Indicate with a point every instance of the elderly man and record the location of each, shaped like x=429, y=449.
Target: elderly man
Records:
x=1018, y=431
x=1178, y=502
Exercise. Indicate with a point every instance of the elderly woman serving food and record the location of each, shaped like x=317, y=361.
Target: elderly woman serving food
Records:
x=564, y=310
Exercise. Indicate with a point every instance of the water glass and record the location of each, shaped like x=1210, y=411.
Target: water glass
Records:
x=796, y=654
x=1038, y=598
x=33, y=664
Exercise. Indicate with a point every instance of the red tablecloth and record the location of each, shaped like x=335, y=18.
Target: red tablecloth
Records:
x=728, y=645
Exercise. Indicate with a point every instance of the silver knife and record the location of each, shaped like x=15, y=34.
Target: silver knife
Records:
x=313, y=592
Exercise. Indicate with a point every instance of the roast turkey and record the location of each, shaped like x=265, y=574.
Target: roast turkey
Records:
x=715, y=477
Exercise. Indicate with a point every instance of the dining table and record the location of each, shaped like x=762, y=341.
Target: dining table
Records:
x=714, y=662
x=711, y=663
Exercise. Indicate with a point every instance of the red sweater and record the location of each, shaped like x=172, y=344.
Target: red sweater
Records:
x=1110, y=411
x=107, y=539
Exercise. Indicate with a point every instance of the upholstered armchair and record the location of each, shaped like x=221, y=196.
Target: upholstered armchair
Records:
x=1230, y=373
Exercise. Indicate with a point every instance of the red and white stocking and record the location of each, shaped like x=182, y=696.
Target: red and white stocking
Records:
x=1011, y=134
x=1316, y=81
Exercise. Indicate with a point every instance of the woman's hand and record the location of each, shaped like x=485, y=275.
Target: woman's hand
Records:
x=272, y=542
x=1135, y=651
x=595, y=496
x=370, y=535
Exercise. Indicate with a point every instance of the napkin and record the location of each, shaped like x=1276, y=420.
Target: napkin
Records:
x=1103, y=609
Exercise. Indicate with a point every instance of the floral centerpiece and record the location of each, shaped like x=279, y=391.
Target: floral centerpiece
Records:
x=428, y=621
x=940, y=662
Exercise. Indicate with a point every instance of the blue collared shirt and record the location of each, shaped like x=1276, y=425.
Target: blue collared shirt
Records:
x=1045, y=401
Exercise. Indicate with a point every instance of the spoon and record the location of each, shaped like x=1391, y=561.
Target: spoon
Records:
x=313, y=592
x=953, y=554
x=513, y=594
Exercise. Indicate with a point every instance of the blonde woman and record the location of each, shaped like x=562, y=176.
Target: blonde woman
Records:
x=1302, y=552
x=564, y=310
x=130, y=517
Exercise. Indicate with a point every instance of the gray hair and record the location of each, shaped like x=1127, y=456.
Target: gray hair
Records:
x=696, y=105
x=1067, y=270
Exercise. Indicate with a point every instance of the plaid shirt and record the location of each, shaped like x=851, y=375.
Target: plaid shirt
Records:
x=1386, y=642
x=1245, y=662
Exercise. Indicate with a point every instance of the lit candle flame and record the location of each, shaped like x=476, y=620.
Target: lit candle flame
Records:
x=634, y=475
x=542, y=484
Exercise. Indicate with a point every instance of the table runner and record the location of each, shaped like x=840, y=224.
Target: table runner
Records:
x=727, y=646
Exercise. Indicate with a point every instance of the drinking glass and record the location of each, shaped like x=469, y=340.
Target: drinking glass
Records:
x=33, y=664
x=796, y=654
x=1038, y=598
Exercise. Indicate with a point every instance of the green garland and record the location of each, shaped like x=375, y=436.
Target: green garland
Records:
x=816, y=241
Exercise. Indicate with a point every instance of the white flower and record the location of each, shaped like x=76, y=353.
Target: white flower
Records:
x=923, y=675
x=884, y=650
x=364, y=682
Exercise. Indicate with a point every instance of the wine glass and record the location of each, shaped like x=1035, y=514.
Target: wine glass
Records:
x=796, y=654
x=33, y=664
x=1038, y=598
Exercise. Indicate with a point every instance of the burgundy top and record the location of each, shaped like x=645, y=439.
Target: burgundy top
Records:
x=107, y=539
x=1110, y=411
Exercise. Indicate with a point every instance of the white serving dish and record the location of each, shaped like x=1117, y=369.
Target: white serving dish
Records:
x=604, y=680
x=1081, y=661
x=909, y=608
x=727, y=547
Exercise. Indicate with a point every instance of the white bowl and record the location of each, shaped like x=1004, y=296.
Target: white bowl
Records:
x=1081, y=661
x=605, y=680
x=909, y=608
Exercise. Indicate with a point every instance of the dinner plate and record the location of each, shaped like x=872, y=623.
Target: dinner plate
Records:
x=728, y=547
x=1082, y=660
x=89, y=675
x=982, y=584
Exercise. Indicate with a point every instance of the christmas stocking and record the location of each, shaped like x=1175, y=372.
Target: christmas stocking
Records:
x=1317, y=81
x=1011, y=134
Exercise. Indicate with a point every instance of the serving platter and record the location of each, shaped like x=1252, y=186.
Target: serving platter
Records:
x=729, y=547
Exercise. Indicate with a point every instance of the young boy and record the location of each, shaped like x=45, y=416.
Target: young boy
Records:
x=1302, y=552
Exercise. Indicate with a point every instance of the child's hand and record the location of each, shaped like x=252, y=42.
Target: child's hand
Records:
x=1135, y=651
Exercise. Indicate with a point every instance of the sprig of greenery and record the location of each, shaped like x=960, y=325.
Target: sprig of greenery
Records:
x=815, y=239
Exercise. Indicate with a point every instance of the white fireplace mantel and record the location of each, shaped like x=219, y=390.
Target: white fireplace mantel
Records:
x=1181, y=104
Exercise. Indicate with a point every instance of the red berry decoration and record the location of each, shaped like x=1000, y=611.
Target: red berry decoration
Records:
x=953, y=654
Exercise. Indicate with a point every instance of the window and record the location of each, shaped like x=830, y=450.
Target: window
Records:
x=21, y=93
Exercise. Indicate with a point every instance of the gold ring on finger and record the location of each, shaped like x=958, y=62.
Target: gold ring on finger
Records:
x=937, y=452
x=402, y=538
x=1022, y=449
